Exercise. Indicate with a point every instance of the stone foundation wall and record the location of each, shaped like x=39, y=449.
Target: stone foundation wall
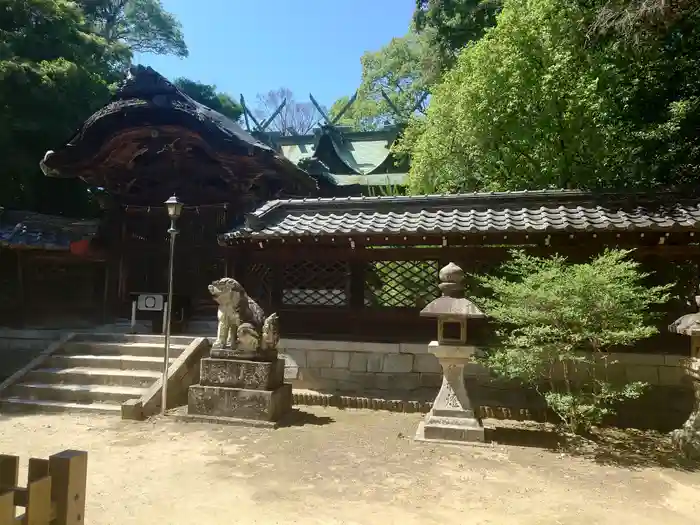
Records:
x=342, y=366
x=408, y=372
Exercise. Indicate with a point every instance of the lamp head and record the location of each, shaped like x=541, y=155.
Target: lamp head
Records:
x=174, y=207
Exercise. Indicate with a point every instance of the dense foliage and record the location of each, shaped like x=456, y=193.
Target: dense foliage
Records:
x=566, y=94
x=207, y=95
x=452, y=24
x=557, y=320
x=144, y=26
x=53, y=74
x=394, y=84
x=59, y=62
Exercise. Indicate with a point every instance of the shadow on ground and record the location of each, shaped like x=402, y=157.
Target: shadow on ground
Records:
x=633, y=449
x=626, y=448
x=300, y=418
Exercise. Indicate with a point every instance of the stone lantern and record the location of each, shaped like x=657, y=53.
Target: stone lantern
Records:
x=453, y=417
x=687, y=438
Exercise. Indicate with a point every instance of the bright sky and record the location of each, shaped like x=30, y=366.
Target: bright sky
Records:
x=253, y=46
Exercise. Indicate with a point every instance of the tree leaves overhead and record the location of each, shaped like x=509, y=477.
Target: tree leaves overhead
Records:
x=59, y=60
x=538, y=102
x=400, y=72
x=450, y=25
x=53, y=75
x=143, y=25
x=206, y=94
x=396, y=70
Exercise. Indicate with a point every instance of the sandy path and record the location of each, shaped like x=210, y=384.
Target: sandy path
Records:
x=343, y=467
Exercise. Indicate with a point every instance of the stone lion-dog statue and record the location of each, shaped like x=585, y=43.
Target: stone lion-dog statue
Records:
x=241, y=321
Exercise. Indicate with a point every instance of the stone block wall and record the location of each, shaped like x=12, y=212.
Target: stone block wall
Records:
x=347, y=367
x=409, y=372
x=368, y=369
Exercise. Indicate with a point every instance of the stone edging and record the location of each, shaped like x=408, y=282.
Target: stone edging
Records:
x=338, y=401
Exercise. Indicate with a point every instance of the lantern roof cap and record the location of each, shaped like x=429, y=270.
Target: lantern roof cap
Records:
x=452, y=304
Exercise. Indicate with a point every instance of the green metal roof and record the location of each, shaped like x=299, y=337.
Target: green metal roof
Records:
x=345, y=152
x=296, y=152
x=377, y=179
x=363, y=157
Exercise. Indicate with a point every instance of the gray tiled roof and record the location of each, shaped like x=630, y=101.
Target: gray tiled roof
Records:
x=527, y=211
x=24, y=229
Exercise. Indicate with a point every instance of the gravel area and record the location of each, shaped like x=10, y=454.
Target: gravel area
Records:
x=342, y=467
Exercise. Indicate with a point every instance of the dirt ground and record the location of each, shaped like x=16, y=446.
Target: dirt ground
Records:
x=346, y=467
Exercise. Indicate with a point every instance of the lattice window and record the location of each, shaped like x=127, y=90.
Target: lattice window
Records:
x=316, y=284
x=401, y=284
x=258, y=283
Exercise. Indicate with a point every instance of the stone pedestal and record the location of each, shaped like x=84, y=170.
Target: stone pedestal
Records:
x=453, y=417
x=240, y=391
x=687, y=438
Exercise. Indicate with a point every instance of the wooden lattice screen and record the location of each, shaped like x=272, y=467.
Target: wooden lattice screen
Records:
x=316, y=283
x=401, y=284
x=259, y=283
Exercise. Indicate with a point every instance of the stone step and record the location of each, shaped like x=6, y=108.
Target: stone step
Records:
x=120, y=348
x=132, y=338
x=75, y=393
x=29, y=405
x=202, y=328
x=120, y=362
x=94, y=376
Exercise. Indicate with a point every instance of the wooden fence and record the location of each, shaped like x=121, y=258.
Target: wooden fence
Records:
x=55, y=492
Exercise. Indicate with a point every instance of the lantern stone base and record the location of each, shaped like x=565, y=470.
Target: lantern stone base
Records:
x=687, y=438
x=452, y=418
x=236, y=391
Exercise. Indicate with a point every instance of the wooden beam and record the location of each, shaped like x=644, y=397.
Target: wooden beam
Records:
x=20, y=286
x=340, y=114
x=320, y=110
x=386, y=98
x=274, y=114
x=473, y=240
x=245, y=113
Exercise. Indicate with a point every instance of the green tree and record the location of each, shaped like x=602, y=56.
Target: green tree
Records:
x=361, y=115
x=557, y=320
x=450, y=25
x=143, y=25
x=206, y=94
x=541, y=101
x=394, y=85
x=53, y=75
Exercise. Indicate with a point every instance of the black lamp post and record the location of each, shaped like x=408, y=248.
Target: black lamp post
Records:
x=174, y=207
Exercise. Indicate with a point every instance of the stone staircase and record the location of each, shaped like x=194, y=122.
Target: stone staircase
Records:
x=92, y=373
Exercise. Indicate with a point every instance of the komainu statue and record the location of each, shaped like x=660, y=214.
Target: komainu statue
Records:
x=242, y=324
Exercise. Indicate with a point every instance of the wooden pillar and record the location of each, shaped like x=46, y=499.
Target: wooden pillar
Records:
x=277, y=283
x=21, y=296
x=105, y=293
x=356, y=284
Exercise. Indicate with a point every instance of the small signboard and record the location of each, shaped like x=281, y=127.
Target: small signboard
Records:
x=150, y=302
